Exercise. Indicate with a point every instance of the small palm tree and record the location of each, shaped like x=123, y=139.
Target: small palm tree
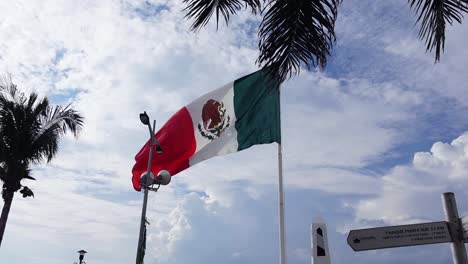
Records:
x=30, y=129
x=297, y=33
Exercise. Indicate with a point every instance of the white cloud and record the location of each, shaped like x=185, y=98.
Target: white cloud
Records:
x=411, y=193
x=345, y=122
x=208, y=231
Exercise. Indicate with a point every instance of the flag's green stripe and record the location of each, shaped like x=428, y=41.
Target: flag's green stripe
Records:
x=257, y=108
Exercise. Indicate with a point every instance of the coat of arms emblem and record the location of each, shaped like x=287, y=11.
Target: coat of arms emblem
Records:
x=214, y=120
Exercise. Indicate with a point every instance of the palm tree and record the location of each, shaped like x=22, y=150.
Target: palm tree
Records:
x=295, y=33
x=30, y=129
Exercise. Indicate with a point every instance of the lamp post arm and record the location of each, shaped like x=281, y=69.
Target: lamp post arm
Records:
x=151, y=132
x=150, y=158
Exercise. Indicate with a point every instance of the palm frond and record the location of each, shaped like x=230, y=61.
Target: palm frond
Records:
x=62, y=119
x=9, y=90
x=9, y=127
x=202, y=10
x=54, y=123
x=295, y=33
x=40, y=109
x=46, y=145
x=433, y=16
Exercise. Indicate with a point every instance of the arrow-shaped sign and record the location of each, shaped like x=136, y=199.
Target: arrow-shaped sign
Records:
x=399, y=236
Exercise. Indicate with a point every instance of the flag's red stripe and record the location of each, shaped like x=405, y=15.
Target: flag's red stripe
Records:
x=178, y=142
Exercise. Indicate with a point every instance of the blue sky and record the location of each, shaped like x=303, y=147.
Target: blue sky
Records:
x=372, y=140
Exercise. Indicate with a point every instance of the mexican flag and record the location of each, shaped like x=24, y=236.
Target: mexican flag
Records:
x=232, y=118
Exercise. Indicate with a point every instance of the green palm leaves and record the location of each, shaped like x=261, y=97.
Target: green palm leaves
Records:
x=202, y=10
x=295, y=33
x=433, y=16
x=30, y=129
x=301, y=33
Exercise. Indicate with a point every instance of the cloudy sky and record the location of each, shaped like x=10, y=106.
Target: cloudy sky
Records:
x=372, y=140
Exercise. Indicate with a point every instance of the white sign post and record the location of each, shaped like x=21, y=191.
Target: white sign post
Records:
x=451, y=216
x=464, y=222
x=453, y=230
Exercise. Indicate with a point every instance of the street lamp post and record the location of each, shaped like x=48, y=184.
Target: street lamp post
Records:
x=82, y=253
x=148, y=179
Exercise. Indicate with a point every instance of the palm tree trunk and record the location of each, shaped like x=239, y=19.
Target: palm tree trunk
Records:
x=5, y=211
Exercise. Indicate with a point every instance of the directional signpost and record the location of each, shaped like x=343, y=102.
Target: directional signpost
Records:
x=399, y=236
x=454, y=230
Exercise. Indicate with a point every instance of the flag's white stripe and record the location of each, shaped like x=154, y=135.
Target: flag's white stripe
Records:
x=227, y=142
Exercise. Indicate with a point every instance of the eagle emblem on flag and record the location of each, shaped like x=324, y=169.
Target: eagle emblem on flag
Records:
x=214, y=120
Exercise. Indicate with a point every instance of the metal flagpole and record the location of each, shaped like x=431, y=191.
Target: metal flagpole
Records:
x=281, y=196
x=281, y=207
